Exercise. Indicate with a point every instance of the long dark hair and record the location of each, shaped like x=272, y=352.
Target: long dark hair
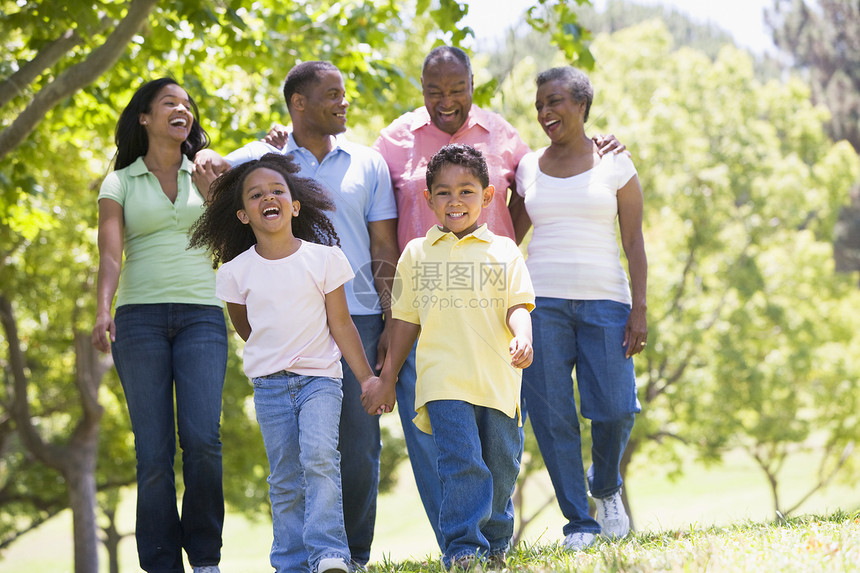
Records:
x=221, y=232
x=131, y=139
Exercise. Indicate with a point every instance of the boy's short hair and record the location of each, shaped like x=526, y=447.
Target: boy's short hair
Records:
x=462, y=155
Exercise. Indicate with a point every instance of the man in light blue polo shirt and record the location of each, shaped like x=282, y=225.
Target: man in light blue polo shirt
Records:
x=366, y=223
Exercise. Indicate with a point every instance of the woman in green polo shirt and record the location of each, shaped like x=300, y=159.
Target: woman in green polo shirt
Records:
x=168, y=335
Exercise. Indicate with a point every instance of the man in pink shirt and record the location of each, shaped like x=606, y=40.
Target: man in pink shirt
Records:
x=448, y=116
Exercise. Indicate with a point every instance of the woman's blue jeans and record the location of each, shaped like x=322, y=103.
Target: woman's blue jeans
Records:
x=167, y=352
x=479, y=461
x=586, y=335
x=298, y=417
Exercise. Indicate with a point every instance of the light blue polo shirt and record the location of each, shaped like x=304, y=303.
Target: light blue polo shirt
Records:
x=360, y=185
x=158, y=266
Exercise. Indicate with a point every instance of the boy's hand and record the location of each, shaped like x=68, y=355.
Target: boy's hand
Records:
x=521, y=352
x=377, y=396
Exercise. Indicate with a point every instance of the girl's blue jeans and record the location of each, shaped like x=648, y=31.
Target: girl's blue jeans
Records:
x=586, y=335
x=165, y=353
x=298, y=417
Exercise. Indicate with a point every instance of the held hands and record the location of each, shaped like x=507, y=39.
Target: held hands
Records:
x=377, y=395
x=522, y=352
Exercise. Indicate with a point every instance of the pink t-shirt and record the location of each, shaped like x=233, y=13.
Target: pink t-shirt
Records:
x=411, y=140
x=285, y=301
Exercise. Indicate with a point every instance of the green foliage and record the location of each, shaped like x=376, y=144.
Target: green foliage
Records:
x=559, y=20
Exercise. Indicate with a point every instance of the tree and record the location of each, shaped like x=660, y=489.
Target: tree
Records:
x=823, y=39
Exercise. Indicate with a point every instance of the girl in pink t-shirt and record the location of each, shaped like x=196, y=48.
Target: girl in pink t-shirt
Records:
x=282, y=278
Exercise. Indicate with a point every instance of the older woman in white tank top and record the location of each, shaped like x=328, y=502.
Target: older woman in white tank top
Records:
x=586, y=317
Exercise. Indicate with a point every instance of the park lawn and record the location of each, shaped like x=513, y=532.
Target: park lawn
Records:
x=708, y=515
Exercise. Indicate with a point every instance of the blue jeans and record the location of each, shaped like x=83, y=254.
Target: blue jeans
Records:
x=423, y=453
x=360, y=446
x=162, y=350
x=587, y=335
x=298, y=417
x=479, y=460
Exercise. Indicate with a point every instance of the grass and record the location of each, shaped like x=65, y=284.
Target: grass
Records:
x=711, y=519
x=820, y=544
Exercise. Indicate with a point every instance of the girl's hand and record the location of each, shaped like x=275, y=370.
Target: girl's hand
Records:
x=377, y=396
x=522, y=352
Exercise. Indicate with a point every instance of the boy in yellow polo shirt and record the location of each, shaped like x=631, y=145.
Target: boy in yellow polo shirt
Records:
x=466, y=295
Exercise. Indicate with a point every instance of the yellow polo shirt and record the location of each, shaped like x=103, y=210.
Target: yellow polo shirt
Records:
x=459, y=292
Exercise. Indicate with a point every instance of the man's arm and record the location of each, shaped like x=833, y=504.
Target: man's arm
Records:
x=383, y=254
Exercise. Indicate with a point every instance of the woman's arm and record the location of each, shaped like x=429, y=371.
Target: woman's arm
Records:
x=630, y=205
x=239, y=317
x=110, y=245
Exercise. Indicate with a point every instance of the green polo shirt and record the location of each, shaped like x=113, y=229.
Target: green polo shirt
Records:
x=158, y=268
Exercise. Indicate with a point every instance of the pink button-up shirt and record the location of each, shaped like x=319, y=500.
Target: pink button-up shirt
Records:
x=411, y=140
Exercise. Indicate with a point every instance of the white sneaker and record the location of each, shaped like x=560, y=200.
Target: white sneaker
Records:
x=207, y=569
x=578, y=541
x=613, y=520
x=332, y=564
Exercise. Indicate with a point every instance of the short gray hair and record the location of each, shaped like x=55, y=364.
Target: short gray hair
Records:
x=576, y=82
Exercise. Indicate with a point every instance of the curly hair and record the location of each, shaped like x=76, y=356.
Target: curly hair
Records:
x=220, y=231
x=458, y=154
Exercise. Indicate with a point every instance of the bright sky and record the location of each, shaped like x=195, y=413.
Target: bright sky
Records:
x=744, y=19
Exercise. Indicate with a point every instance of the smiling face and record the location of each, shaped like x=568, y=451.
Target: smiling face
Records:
x=559, y=115
x=324, y=104
x=267, y=205
x=447, y=88
x=457, y=198
x=169, y=114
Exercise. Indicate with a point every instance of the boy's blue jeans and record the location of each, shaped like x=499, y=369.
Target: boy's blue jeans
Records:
x=587, y=335
x=298, y=417
x=162, y=353
x=479, y=460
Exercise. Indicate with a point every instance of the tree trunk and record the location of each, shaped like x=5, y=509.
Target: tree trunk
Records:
x=112, y=536
x=80, y=478
x=76, y=461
